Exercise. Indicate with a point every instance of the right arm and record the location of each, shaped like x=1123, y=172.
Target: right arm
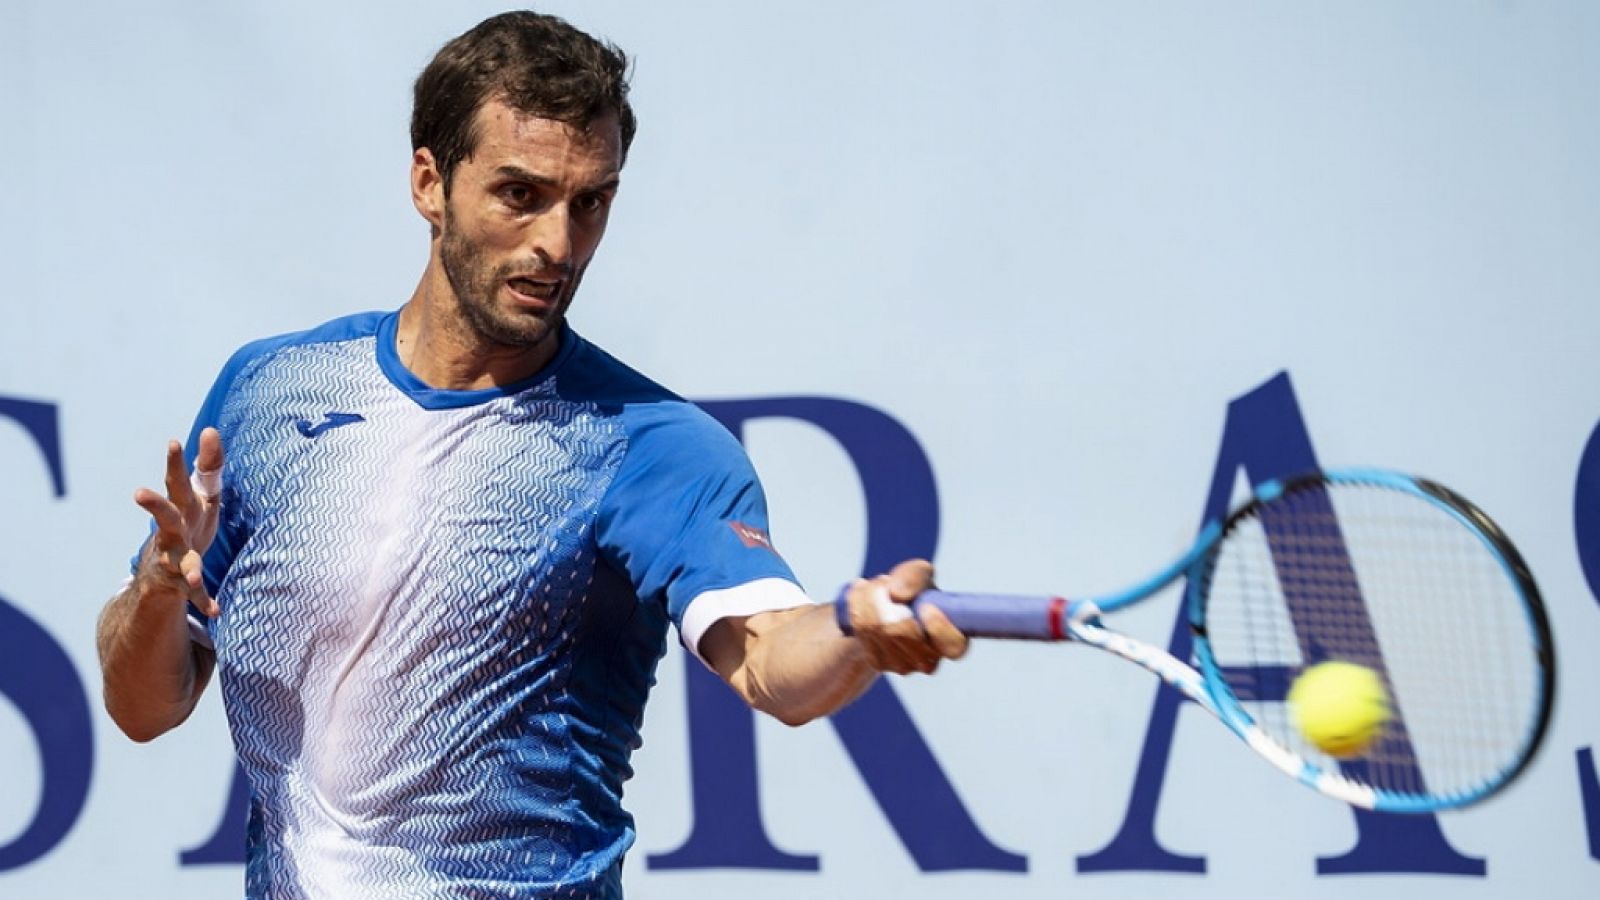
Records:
x=796, y=665
x=154, y=672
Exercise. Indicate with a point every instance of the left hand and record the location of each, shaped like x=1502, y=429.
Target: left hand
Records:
x=186, y=518
x=895, y=639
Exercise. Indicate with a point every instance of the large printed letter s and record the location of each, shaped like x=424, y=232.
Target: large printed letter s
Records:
x=38, y=677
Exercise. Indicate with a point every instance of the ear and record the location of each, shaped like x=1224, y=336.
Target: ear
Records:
x=427, y=188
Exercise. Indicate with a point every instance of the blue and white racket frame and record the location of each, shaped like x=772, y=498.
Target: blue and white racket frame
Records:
x=1220, y=698
x=1057, y=619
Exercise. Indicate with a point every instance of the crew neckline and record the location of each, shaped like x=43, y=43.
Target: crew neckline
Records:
x=428, y=397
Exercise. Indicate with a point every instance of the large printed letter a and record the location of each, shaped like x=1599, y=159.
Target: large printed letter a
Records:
x=1265, y=435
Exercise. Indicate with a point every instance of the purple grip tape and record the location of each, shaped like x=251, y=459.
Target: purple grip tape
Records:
x=1025, y=617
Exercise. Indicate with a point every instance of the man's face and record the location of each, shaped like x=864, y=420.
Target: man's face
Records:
x=525, y=213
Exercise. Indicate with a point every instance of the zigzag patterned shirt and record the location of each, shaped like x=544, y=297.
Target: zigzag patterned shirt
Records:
x=442, y=610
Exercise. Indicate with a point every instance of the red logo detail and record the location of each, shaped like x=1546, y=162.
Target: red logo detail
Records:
x=751, y=536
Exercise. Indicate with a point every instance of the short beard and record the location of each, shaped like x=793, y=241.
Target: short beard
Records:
x=475, y=286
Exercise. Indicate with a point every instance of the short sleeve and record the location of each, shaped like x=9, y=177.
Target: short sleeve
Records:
x=685, y=515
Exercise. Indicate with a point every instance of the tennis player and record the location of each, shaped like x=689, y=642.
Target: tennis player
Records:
x=437, y=562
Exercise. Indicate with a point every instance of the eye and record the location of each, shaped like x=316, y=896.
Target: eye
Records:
x=519, y=196
x=590, y=204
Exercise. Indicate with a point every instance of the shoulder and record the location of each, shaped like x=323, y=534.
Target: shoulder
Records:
x=589, y=374
x=257, y=352
x=661, y=426
x=344, y=328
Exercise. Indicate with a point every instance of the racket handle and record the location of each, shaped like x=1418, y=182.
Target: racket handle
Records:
x=1024, y=617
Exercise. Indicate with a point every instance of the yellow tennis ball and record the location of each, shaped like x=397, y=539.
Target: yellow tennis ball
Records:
x=1340, y=707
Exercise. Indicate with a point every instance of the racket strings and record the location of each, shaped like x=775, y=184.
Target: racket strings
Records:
x=1396, y=583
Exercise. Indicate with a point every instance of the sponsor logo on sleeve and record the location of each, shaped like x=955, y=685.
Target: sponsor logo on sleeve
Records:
x=751, y=536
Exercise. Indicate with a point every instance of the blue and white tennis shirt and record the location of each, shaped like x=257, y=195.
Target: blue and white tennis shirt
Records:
x=442, y=610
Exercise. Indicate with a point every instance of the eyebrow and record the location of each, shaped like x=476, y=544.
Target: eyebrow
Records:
x=521, y=174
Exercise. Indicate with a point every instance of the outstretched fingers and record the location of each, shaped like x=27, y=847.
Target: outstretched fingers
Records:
x=185, y=520
x=170, y=565
x=179, y=491
x=171, y=535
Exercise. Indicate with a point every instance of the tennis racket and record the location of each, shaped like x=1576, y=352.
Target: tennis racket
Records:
x=1391, y=572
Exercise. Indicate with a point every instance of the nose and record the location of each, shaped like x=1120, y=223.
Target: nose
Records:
x=551, y=238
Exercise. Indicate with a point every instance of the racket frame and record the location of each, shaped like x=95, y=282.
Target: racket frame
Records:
x=1226, y=706
x=1055, y=619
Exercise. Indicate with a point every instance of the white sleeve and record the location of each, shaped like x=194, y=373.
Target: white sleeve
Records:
x=709, y=607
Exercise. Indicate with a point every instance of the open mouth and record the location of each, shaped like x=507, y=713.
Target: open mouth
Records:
x=534, y=293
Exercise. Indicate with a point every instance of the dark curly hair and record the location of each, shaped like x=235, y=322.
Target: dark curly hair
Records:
x=537, y=64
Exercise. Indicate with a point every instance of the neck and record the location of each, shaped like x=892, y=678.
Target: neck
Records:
x=436, y=343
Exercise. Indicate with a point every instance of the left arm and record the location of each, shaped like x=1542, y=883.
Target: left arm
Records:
x=795, y=665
